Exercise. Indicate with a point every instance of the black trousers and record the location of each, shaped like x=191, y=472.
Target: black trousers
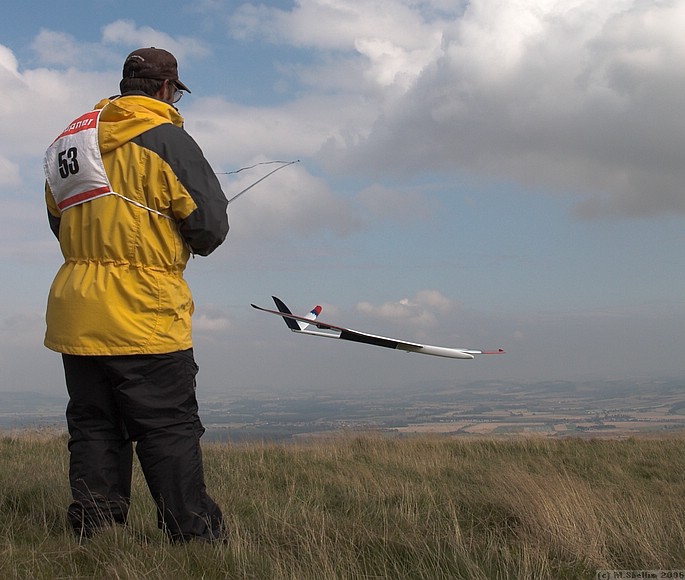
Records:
x=149, y=399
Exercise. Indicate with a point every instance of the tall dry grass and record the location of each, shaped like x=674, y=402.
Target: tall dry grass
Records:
x=368, y=506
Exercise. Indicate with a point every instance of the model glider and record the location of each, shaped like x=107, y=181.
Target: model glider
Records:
x=303, y=324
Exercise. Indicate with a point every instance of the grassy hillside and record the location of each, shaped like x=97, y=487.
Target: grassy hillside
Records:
x=372, y=507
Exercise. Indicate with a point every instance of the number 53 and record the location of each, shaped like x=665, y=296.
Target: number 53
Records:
x=68, y=164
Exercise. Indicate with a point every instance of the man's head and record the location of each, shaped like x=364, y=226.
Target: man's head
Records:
x=150, y=70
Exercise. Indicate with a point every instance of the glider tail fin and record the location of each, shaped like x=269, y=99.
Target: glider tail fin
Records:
x=292, y=324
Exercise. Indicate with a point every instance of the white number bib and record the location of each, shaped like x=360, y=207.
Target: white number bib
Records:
x=73, y=164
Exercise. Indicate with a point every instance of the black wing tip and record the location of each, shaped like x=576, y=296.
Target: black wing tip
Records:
x=290, y=323
x=281, y=305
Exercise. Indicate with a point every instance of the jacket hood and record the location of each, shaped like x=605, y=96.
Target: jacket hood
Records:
x=124, y=118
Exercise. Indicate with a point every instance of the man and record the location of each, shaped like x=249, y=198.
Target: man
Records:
x=130, y=196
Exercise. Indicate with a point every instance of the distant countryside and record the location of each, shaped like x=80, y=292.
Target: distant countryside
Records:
x=617, y=409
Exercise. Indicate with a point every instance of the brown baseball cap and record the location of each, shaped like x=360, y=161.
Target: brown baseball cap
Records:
x=152, y=63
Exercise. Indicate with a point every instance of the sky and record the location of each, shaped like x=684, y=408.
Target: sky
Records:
x=484, y=174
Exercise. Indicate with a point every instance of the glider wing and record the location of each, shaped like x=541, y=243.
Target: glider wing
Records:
x=301, y=324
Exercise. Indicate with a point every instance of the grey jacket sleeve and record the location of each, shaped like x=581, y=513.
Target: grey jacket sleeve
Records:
x=54, y=224
x=206, y=228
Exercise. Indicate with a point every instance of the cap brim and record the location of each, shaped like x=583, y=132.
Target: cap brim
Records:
x=181, y=86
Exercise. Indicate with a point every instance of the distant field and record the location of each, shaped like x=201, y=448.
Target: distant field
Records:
x=617, y=409
x=577, y=425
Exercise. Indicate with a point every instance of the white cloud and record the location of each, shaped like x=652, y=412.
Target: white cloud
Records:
x=9, y=66
x=566, y=96
x=434, y=300
x=56, y=48
x=228, y=131
x=59, y=49
x=37, y=103
x=291, y=200
x=551, y=103
x=420, y=312
x=395, y=39
x=127, y=33
x=63, y=50
x=204, y=323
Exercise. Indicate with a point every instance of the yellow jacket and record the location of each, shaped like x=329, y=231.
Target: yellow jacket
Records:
x=121, y=288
